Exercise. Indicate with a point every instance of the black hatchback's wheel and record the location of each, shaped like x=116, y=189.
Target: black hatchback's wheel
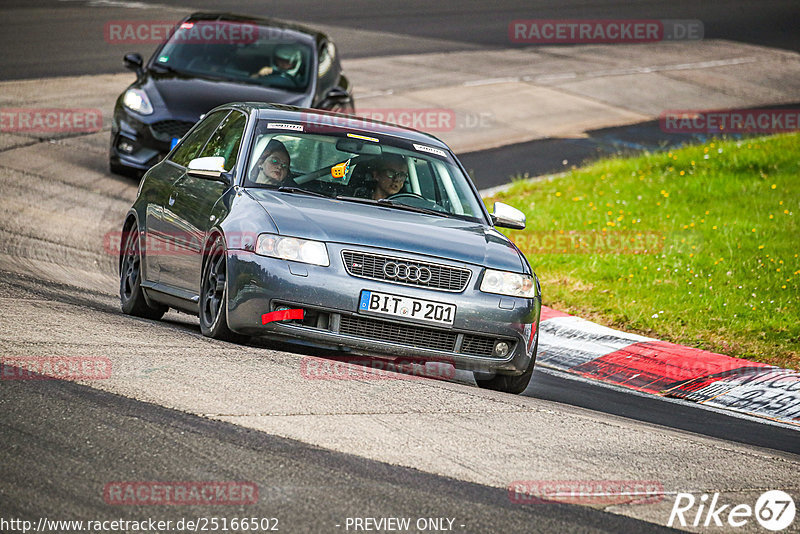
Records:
x=131, y=295
x=214, y=295
x=512, y=384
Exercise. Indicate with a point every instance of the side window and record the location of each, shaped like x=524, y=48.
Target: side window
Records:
x=192, y=144
x=226, y=140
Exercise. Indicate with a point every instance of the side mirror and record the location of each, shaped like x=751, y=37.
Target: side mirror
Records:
x=506, y=216
x=210, y=167
x=133, y=61
x=336, y=98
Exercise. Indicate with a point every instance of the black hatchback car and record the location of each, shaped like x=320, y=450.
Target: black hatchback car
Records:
x=211, y=59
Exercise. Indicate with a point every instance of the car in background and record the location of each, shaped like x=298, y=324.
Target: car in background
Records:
x=210, y=59
x=315, y=255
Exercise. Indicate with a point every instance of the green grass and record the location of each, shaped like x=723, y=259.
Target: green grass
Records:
x=727, y=275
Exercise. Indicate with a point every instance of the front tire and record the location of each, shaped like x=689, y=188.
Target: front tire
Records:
x=214, y=295
x=509, y=383
x=131, y=294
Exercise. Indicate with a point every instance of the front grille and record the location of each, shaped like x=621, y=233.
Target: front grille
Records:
x=478, y=345
x=415, y=336
x=371, y=266
x=166, y=130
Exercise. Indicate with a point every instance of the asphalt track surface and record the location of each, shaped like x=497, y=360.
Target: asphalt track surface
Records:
x=59, y=38
x=306, y=488
x=309, y=488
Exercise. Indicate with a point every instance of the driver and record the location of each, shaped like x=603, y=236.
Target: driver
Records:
x=389, y=173
x=285, y=67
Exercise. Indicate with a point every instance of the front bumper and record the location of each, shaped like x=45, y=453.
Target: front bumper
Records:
x=140, y=145
x=330, y=296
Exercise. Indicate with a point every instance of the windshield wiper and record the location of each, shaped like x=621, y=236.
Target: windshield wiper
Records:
x=392, y=204
x=290, y=189
x=164, y=68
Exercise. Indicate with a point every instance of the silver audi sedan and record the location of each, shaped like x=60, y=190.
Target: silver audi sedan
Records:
x=345, y=233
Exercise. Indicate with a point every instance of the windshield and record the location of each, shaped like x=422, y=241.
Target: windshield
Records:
x=349, y=167
x=238, y=51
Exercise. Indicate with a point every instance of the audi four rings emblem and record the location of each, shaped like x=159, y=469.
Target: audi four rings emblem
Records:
x=409, y=273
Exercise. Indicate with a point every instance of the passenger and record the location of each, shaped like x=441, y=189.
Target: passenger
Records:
x=389, y=173
x=273, y=165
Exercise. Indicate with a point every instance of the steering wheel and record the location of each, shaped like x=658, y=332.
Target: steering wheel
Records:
x=407, y=195
x=418, y=201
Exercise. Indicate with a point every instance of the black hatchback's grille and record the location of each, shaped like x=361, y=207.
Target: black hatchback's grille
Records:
x=402, y=334
x=407, y=272
x=169, y=129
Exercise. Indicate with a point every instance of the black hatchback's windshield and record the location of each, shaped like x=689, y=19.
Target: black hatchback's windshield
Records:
x=238, y=51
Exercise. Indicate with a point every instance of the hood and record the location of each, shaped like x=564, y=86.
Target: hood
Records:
x=340, y=221
x=187, y=98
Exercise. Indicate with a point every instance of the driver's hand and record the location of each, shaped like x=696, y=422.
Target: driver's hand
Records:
x=265, y=71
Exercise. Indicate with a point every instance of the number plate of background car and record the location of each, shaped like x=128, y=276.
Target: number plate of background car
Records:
x=426, y=311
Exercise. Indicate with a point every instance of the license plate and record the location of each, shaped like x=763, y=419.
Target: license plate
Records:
x=426, y=311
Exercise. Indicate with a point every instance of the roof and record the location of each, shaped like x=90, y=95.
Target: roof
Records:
x=260, y=21
x=338, y=121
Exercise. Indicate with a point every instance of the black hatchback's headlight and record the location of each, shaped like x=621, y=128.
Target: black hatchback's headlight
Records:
x=137, y=100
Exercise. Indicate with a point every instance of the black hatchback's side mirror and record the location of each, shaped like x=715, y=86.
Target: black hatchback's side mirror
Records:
x=133, y=61
x=336, y=98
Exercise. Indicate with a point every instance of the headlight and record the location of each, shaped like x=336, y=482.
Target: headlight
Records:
x=505, y=283
x=292, y=248
x=136, y=100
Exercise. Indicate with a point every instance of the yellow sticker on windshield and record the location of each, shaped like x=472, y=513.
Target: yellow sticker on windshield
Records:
x=340, y=170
